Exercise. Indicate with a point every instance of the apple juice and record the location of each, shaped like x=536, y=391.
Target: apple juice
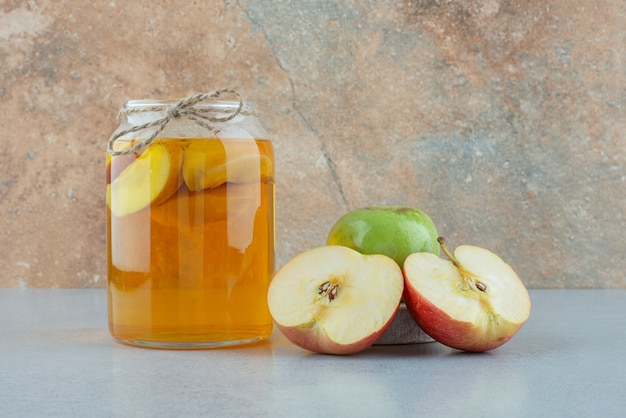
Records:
x=190, y=236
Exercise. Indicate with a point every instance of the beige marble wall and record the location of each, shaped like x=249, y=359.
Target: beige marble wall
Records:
x=504, y=120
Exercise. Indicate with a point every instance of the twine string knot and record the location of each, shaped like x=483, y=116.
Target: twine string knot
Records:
x=189, y=108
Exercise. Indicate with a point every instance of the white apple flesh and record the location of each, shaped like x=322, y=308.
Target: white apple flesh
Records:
x=334, y=300
x=474, y=302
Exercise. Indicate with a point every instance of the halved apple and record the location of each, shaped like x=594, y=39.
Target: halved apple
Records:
x=151, y=179
x=334, y=300
x=211, y=163
x=473, y=302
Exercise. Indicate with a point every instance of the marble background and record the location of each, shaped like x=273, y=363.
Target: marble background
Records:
x=504, y=120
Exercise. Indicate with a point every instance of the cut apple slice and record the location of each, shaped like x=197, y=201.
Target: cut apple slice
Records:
x=250, y=168
x=334, y=300
x=130, y=244
x=151, y=179
x=211, y=163
x=121, y=161
x=201, y=159
x=192, y=209
x=474, y=302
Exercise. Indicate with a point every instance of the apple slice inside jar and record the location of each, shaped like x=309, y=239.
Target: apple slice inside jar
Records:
x=209, y=164
x=121, y=161
x=130, y=247
x=149, y=180
x=192, y=209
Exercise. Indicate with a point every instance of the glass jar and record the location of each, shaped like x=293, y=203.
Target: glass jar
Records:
x=190, y=225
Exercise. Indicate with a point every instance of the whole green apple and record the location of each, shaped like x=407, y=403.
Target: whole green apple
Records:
x=394, y=231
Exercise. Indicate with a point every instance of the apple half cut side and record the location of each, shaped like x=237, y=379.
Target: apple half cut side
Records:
x=335, y=300
x=474, y=302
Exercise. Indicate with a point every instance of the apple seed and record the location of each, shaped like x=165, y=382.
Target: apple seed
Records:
x=333, y=292
x=327, y=289
x=323, y=288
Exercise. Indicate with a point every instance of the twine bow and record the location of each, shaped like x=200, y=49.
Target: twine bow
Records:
x=187, y=108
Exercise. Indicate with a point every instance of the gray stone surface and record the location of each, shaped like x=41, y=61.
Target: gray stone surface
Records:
x=566, y=361
x=503, y=120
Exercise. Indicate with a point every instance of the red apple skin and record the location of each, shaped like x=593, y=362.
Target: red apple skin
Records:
x=474, y=301
x=453, y=333
x=334, y=300
x=311, y=338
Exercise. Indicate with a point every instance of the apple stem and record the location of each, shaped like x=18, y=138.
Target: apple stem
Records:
x=442, y=243
x=467, y=276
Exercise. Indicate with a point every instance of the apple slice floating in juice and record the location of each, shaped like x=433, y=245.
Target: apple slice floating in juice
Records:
x=245, y=168
x=151, y=179
x=209, y=164
x=130, y=247
x=121, y=161
x=212, y=205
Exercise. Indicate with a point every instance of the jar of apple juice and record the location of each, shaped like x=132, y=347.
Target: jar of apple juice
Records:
x=190, y=223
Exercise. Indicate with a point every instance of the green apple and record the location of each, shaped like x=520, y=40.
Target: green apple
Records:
x=394, y=231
